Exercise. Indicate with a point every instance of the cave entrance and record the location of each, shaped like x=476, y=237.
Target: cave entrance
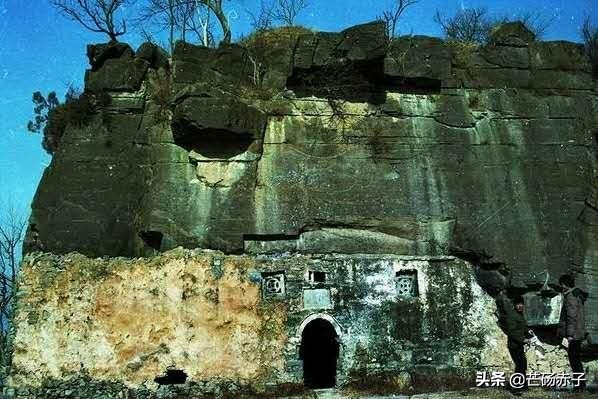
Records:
x=319, y=351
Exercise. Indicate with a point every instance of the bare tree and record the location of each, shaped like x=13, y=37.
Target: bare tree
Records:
x=264, y=19
x=184, y=13
x=12, y=231
x=180, y=17
x=392, y=16
x=536, y=22
x=165, y=13
x=286, y=11
x=471, y=25
x=589, y=33
x=216, y=7
x=94, y=15
x=474, y=25
x=200, y=22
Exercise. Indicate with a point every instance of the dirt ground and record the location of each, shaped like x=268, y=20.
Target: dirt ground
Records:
x=469, y=394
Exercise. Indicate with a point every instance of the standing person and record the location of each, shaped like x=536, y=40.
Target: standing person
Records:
x=512, y=321
x=572, y=323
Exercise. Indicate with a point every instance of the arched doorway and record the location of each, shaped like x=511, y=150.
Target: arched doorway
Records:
x=319, y=351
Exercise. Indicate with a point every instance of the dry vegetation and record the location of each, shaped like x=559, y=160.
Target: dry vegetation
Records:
x=475, y=25
x=12, y=232
x=589, y=33
x=160, y=93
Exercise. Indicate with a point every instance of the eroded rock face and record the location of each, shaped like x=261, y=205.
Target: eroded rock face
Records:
x=416, y=147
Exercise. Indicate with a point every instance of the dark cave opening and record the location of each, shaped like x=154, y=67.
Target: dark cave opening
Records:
x=319, y=351
x=209, y=142
x=356, y=81
x=172, y=377
x=152, y=239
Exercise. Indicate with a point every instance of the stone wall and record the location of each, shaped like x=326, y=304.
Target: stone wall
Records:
x=210, y=315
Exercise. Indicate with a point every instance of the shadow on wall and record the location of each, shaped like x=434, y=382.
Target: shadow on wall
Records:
x=356, y=81
x=210, y=143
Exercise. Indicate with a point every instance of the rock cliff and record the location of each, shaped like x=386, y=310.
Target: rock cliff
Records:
x=340, y=142
x=337, y=143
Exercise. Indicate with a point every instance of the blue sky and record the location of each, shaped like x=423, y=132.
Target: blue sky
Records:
x=41, y=50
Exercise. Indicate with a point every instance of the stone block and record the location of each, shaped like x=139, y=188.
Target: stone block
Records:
x=100, y=53
x=418, y=57
x=364, y=42
x=506, y=57
x=117, y=75
x=559, y=55
x=561, y=80
x=514, y=34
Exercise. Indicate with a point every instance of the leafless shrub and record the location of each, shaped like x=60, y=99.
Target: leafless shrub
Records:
x=286, y=11
x=589, y=34
x=471, y=25
x=94, y=15
x=392, y=16
x=537, y=23
x=159, y=91
x=474, y=25
x=12, y=231
x=165, y=14
x=264, y=18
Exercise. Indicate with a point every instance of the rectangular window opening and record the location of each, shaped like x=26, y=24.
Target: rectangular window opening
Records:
x=317, y=276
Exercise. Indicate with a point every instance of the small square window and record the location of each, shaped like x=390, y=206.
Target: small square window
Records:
x=317, y=276
x=406, y=283
x=273, y=284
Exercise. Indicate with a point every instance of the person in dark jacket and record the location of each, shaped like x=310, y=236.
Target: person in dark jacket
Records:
x=572, y=322
x=512, y=321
